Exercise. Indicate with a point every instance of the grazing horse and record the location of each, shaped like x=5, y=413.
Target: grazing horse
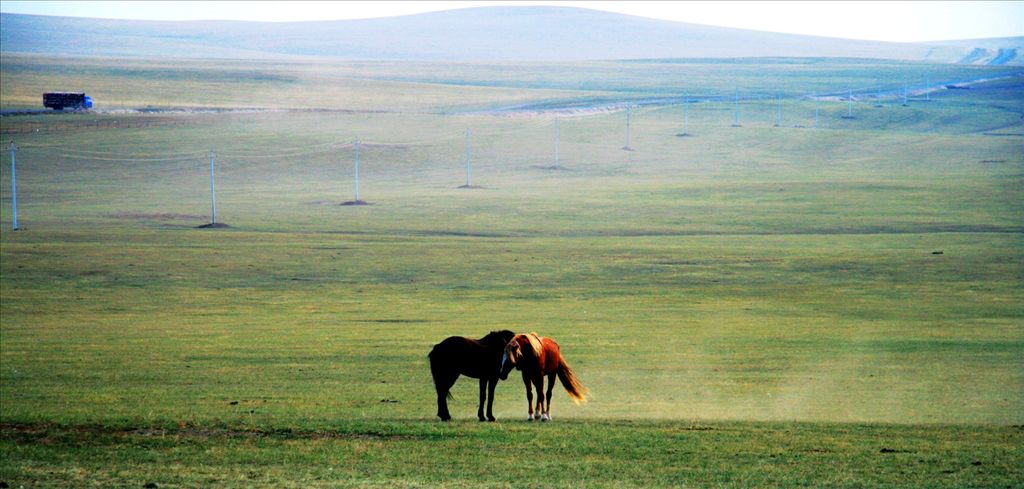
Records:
x=479, y=359
x=538, y=356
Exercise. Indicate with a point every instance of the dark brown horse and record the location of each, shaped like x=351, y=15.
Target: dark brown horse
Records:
x=537, y=356
x=479, y=359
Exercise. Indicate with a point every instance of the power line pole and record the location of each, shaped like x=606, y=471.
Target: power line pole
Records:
x=778, y=110
x=736, y=116
x=904, y=92
x=468, y=162
x=213, y=188
x=356, y=148
x=817, y=110
x=629, y=111
x=686, y=115
x=14, y=185
x=558, y=137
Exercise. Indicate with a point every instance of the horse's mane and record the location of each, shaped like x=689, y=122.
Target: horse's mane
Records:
x=503, y=336
x=535, y=342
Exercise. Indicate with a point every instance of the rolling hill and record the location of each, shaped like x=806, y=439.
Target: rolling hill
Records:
x=471, y=34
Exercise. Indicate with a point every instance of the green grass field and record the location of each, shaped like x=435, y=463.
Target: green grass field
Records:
x=749, y=307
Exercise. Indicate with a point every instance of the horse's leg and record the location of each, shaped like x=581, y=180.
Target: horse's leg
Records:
x=529, y=396
x=483, y=398
x=538, y=384
x=547, y=407
x=490, y=398
x=443, y=388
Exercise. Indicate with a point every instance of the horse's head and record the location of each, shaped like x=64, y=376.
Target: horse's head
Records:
x=513, y=353
x=522, y=346
x=497, y=339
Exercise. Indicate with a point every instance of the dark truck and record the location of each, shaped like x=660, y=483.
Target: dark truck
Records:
x=67, y=100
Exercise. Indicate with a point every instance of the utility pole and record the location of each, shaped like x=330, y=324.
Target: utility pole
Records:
x=686, y=115
x=558, y=137
x=629, y=111
x=778, y=110
x=469, y=181
x=817, y=110
x=14, y=185
x=904, y=92
x=213, y=188
x=736, y=116
x=356, y=148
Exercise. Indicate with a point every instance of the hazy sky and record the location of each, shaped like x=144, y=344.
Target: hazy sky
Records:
x=885, y=21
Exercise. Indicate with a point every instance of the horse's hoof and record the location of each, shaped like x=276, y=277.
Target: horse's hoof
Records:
x=491, y=420
x=529, y=418
x=545, y=417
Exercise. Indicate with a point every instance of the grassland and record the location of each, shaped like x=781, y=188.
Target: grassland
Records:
x=752, y=306
x=298, y=83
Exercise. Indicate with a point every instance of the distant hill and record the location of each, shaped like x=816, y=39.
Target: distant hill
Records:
x=472, y=34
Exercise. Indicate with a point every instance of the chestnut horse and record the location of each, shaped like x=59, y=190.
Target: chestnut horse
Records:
x=479, y=359
x=538, y=356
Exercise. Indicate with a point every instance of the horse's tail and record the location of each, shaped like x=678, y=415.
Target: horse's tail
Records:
x=577, y=392
x=437, y=373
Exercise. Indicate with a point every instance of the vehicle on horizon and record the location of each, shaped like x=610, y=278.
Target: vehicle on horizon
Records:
x=67, y=100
